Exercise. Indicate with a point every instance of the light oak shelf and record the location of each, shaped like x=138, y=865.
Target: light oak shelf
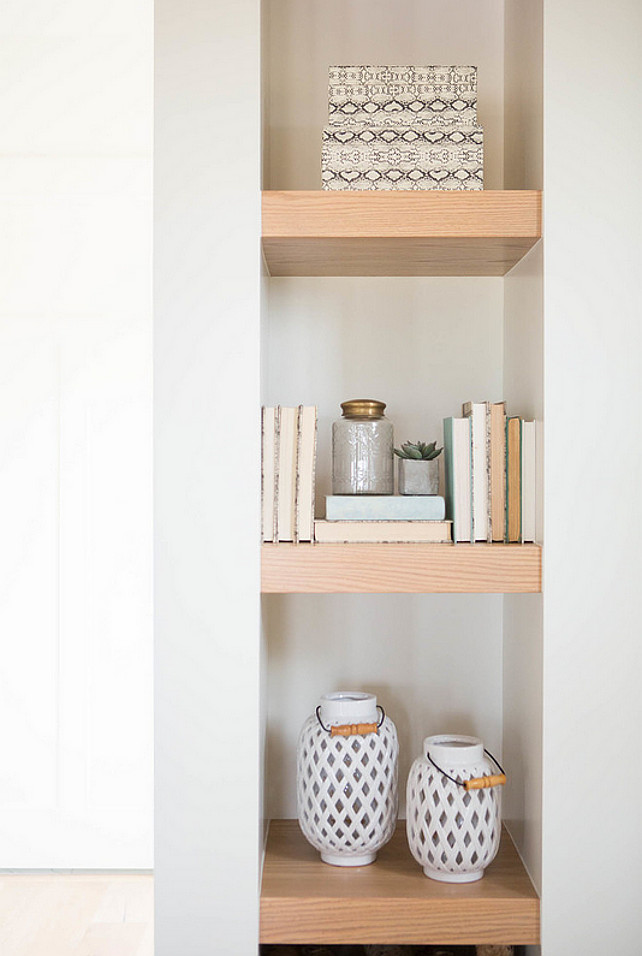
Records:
x=422, y=233
x=400, y=568
x=306, y=901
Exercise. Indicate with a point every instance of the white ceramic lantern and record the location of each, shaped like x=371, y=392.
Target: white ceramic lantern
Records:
x=453, y=809
x=347, y=778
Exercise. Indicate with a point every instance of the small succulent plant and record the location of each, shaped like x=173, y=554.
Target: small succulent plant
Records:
x=419, y=451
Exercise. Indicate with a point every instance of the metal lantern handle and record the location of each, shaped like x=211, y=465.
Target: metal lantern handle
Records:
x=350, y=730
x=477, y=783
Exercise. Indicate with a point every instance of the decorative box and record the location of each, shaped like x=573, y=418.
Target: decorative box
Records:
x=402, y=127
x=347, y=778
x=402, y=94
x=397, y=157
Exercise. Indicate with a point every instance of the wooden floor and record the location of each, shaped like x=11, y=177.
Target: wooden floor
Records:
x=62, y=914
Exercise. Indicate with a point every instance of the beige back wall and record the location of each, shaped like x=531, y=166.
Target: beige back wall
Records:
x=306, y=37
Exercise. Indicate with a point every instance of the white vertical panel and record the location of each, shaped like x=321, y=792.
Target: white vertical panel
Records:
x=75, y=434
x=207, y=485
x=523, y=391
x=592, y=847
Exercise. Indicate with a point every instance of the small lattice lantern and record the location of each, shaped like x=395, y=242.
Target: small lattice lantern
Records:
x=347, y=778
x=453, y=809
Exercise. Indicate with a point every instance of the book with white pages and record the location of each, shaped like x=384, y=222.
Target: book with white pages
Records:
x=268, y=472
x=286, y=476
x=497, y=473
x=457, y=454
x=529, y=481
x=306, y=458
x=480, y=462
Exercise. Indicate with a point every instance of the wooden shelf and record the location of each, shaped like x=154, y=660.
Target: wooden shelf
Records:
x=306, y=901
x=400, y=568
x=423, y=233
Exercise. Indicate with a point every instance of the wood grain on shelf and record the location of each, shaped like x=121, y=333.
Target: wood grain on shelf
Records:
x=400, y=568
x=399, y=233
x=306, y=901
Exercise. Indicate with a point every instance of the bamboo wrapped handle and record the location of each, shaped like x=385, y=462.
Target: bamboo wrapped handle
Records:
x=350, y=730
x=481, y=783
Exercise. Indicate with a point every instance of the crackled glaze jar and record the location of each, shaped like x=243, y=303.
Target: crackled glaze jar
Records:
x=362, y=450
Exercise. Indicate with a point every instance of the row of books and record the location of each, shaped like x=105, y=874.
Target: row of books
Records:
x=490, y=470
x=288, y=446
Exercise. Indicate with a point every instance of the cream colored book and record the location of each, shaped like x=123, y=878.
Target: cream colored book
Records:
x=480, y=460
x=337, y=532
x=306, y=459
x=286, y=481
x=528, y=481
x=268, y=472
x=497, y=483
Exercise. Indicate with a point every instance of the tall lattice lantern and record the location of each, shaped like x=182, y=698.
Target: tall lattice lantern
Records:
x=347, y=778
x=453, y=809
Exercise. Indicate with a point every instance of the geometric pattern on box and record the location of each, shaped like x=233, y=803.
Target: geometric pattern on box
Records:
x=402, y=157
x=401, y=111
x=452, y=833
x=395, y=79
x=406, y=93
x=409, y=128
x=347, y=791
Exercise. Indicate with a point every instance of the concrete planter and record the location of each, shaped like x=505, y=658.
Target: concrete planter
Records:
x=418, y=477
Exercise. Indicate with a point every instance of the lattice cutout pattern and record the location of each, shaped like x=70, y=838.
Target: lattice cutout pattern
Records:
x=452, y=832
x=347, y=789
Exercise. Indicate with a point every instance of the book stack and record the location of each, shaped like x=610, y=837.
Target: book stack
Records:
x=288, y=445
x=383, y=518
x=402, y=127
x=490, y=466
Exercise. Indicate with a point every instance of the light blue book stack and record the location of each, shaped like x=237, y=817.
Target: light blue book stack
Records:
x=385, y=508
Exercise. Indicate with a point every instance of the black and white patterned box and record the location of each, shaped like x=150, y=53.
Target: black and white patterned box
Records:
x=402, y=127
x=393, y=157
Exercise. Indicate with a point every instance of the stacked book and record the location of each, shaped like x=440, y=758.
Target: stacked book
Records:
x=402, y=127
x=288, y=445
x=383, y=518
x=490, y=469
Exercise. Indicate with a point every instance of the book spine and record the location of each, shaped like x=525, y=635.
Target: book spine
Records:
x=498, y=471
x=306, y=457
x=385, y=507
x=267, y=474
x=314, y=471
x=298, y=477
x=528, y=481
x=513, y=480
x=277, y=471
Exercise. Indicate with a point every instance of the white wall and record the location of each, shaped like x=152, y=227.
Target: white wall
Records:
x=207, y=486
x=592, y=852
x=75, y=434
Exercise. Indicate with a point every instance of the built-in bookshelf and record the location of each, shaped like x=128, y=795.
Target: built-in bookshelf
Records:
x=324, y=321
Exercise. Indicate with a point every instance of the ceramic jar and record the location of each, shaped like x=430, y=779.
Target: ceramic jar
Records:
x=347, y=778
x=453, y=832
x=362, y=450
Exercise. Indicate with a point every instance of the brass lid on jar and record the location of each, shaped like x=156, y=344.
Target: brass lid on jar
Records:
x=362, y=408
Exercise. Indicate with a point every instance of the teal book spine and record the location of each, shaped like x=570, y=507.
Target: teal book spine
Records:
x=385, y=507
